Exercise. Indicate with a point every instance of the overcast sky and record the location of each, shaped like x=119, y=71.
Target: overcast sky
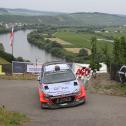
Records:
x=107, y=6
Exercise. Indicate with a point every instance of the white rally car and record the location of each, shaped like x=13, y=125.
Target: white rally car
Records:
x=58, y=86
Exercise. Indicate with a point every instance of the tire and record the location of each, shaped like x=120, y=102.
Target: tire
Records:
x=122, y=79
x=41, y=105
x=84, y=100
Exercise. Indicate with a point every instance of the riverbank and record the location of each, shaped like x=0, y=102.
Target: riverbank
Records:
x=22, y=48
x=56, y=49
x=5, y=58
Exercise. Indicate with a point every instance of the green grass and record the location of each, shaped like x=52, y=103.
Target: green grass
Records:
x=82, y=40
x=119, y=28
x=8, y=118
x=114, y=32
x=3, y=61
x=110, y=89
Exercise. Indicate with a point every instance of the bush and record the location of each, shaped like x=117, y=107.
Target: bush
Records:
x=69, y=57
x=49, y=46
x=6, y=56
x=2, y=47
x=83, y=53
x=57, y=52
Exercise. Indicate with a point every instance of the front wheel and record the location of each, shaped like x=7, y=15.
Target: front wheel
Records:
x=84, y=100
x=41, y=105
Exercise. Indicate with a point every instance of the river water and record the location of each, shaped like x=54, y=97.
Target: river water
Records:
x=24, y=49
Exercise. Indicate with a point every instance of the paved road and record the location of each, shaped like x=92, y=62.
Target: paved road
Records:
x=100, y=110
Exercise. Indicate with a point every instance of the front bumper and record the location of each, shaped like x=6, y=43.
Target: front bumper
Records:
x=64, y=105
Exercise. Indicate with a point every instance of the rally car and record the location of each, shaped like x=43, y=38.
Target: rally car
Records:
x=58, y=86
x=122, y=74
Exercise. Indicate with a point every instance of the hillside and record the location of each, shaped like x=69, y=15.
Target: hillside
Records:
x=3, y=11
x=98, y=18
x=27, y=12
x=55, y=18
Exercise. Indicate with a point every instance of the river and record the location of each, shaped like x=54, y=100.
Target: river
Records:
x=24, y=49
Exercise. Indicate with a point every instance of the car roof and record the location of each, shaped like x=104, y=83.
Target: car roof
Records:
x=50, y=66
x=53, y=62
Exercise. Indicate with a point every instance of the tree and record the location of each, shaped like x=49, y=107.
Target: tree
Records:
x=83, y=53
x=116, y=52
x=122, y=50
x=95, y=56
x=19, y=59
x=82, y=56
x=106, y=58
x=119, y=51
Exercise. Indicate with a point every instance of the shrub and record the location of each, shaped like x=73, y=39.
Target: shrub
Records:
x=6, y=56
x=2, y=47
x=57, y=52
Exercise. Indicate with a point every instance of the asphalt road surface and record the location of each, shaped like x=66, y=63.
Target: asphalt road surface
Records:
x=100, y=110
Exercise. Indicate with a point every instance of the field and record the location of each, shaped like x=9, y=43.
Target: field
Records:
x=60, y=41
x=82, y=40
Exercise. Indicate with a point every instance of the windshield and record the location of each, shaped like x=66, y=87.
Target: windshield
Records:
x=57, y=77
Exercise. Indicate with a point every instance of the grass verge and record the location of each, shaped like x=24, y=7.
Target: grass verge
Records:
x=104, y=85
x=19, y=77
x=8, y=118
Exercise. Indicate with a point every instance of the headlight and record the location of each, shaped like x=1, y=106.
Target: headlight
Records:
x=79, y=93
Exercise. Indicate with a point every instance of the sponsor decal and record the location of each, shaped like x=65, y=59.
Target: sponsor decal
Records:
x=34, y=68
x=62, y=89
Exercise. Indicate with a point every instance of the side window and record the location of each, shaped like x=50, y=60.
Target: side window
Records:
x=42, y=70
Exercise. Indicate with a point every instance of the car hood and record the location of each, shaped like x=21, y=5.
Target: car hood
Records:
x=62, y=88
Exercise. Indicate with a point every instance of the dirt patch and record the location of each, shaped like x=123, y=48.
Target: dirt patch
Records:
x=60, y=41
x=104, y=85
x=73, y=50
x=76, y=50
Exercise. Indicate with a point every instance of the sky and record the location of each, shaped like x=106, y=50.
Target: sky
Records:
x=105, y=6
